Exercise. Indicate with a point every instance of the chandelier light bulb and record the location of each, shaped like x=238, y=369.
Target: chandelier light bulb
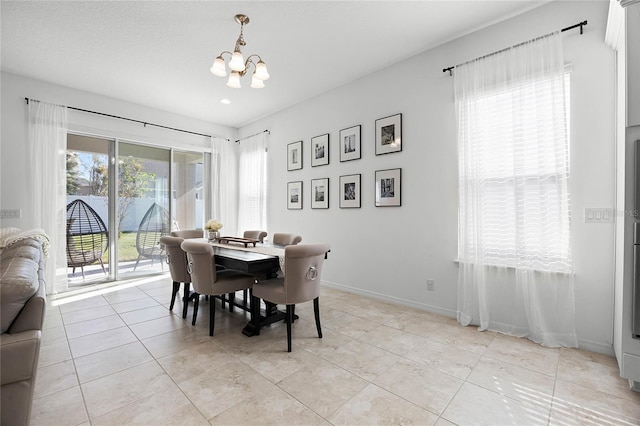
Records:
x=218, y=68
x=237, y=61
x=256, y=83
x=237, y=66
x=261, y=71
x=234, y=80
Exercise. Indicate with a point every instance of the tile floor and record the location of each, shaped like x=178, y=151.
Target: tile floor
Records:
x=121, y=357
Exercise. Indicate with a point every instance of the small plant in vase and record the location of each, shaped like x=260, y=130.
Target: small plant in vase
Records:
x=213, y=227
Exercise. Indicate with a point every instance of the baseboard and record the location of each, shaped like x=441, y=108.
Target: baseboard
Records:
x=396, y=300
x=596, y=347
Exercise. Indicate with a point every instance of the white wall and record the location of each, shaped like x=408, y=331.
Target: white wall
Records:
x=390, y=252
x=14, y=164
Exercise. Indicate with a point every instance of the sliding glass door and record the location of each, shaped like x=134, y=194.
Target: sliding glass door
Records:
x=143, y=208
x=118, y=210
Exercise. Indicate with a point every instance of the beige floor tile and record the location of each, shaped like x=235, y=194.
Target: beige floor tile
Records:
x=523, y=352
x=169, y=407
x=125, y=295
x=274, y=408
x=221, y=388
x=391, y=339
x=82, y=304
x=348, y=324
x=53, y=335
x=120, y=389
x=467, y=338
x=424, y=386
x=175, y=341
x=155, y=327
x=52, y=321
x=93, y=326
x=362, y=359
x=274, y=363
x=133, y=305
x=196, y=360
x=577, y=405
x=54, y=378
x=515, y=382
x=109, y=361
x=64, y=408
x=375, y=406
x=446, y=358
x=93, y=343
x=473, y=405
x=145, y=314
x=87, y=314
x=588, y=372
x=54, y=353
x=323, y=387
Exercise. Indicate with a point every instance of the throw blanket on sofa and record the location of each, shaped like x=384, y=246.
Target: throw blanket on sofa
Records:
x=35, y=233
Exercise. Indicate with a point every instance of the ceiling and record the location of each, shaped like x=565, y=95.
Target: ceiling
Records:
x=158, y=54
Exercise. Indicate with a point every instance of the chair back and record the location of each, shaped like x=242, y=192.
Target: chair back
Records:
x=255, y=235
x=303, y=271
x=283, y=239
x=176, y=258
x=201, y=265
x=188, y=233
x=87, y=236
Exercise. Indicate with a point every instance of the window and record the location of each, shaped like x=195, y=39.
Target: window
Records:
x=514, y=173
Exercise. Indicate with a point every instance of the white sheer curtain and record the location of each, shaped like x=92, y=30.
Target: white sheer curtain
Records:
x=252, y=183
x=513, y=245
x=224, y=185
x=46, y=149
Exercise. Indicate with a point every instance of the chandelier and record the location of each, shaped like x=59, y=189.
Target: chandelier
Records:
x=238, y=66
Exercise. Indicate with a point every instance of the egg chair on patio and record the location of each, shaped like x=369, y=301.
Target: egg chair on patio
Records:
x=154, y=224
x=87, y=236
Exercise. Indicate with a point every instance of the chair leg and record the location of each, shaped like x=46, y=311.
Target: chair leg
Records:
x=136, y=265
x=82, y=270
x=232, y=300
x=176, y=289
x=212, y=316
x=196, y=302
x=244, y=297
x=102, y=264
x=186, y=298
x=316, y=311
x=289, y=321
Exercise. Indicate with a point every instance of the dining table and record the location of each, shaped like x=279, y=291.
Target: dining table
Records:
x=264, y=261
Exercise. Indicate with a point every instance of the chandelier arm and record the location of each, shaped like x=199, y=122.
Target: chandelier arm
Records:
x=225, y=51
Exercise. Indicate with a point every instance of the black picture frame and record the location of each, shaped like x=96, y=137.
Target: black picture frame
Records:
x=294, y=156
x=350, y=191
x=294, y=195
x=388, y=188
x=320, y=193
x=320, y=150
x=350, y=143
x=389, y=134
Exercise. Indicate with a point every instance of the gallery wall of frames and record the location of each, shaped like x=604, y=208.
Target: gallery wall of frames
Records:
x=387, y=182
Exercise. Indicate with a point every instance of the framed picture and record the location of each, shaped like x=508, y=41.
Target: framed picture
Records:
x=294, y=156
x=350, y=143
x=350, y=191
x=320, y=193
x=294, y=195
x=388, y=187
x=320, y=150
x=389, y=134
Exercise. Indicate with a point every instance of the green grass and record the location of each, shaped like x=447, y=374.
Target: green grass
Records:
x=126, y=248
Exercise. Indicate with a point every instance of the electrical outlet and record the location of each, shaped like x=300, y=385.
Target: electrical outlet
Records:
x=10, y=214
x=430, y=284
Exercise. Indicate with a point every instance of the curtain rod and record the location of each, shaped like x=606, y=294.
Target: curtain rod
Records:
x=579, y=24
x=144, y=123
x=255, y=134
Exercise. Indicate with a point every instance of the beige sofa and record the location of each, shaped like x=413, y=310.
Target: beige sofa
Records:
x=22, y=307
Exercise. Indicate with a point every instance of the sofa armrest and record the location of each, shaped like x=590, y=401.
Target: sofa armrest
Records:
x=31, y=316
x=19, y=356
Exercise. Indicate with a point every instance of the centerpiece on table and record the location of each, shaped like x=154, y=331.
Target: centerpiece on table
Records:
x=213, y=228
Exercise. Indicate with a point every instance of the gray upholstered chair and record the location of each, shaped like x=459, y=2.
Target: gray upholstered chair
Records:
x=208, y=281
x=282, y=239
x=188, y=233
x=300, y=283
x=177, y=260
x=255, y=235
